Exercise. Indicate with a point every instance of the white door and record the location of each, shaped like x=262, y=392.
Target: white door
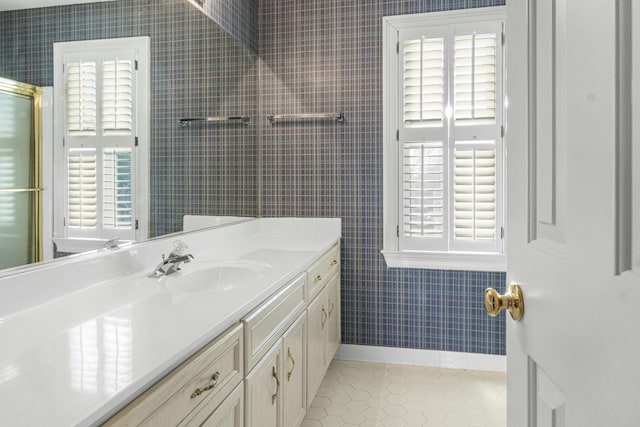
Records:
x=573, y=218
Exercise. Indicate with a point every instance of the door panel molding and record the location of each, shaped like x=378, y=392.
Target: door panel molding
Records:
x=547, y=402
x=547, y=132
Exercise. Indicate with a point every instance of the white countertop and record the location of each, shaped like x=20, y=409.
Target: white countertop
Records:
x=80, y=355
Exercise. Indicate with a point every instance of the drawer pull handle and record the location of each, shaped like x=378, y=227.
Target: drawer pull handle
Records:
x=317, y=278
x=331, y=307
x=324, y=317
x=275, y=395
x=199, y=391
x=333, y=262
x=293, y=364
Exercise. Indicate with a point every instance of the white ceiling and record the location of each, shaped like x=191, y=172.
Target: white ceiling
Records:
x=30, y=4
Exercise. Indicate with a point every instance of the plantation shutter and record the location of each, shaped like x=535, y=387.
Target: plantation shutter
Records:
x=117, y=194
x=423, y=190
x=423, y=71
x=475, y=78
x=100, y=144
x=450, y=138
x=81, y=97
x=474, y=192
x=117, y=97
x=82, y=188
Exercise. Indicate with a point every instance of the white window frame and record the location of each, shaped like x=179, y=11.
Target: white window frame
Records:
x=458, y=257
x=63, y=51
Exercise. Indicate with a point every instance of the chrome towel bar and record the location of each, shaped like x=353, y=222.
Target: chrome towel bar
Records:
x=186, y=121
x=338, y=117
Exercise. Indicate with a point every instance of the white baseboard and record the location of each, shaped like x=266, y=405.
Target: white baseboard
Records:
x=432, y=358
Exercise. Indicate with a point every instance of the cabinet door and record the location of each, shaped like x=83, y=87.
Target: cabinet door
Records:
x=263, y=388
x=333, y=323
x=293, y=377
x=316, y=343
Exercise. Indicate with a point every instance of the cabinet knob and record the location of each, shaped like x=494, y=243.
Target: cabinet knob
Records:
x=317, y=278
x=333, y=262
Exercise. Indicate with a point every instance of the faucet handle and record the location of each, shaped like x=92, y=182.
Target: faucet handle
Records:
x=179, y=248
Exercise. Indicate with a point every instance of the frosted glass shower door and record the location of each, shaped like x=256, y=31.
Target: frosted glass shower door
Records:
x=19, y=174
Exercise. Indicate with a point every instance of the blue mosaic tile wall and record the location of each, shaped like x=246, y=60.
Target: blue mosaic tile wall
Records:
x=198, y=70
x=321, y=56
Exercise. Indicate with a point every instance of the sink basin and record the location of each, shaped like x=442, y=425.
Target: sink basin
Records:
x=214, y=276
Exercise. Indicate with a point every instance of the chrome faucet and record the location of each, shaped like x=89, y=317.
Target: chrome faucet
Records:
x=172, y=263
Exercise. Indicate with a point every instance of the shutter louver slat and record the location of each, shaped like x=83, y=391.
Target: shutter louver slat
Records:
x=117, y=97
x=81, y=93
x=117, y=188
x=475, y=79
x=423, y=189
x=423, y=74
x=474, y=193
x=82, y=188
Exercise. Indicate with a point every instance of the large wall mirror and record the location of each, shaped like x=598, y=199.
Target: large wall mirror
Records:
x=197, y=69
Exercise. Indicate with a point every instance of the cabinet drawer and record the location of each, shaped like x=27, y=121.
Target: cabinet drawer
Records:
x=319, y=274
x=264, y=326
x=169, y=401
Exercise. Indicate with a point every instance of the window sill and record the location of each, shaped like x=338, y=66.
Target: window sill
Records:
x=446, y=260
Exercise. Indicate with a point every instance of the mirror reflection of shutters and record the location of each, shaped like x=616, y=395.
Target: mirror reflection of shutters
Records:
x=82, y=188
x=100, y=120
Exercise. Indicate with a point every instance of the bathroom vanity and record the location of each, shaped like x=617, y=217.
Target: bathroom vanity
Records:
x=241, y=336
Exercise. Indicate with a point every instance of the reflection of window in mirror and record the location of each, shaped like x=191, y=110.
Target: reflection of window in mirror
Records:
x=101, y=128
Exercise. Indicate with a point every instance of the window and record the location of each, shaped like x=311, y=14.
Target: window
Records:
x=102, y=90
x=443, y=140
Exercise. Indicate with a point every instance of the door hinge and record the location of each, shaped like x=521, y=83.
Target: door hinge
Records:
x=398, y=135
x=398, y=230
x=502, y=232
x=397, y=47
x=503, y=38
x=136, y=224
x=64, y=221
x=502, y=131
x=64, y=143
x=136, y=65
x=136, y=141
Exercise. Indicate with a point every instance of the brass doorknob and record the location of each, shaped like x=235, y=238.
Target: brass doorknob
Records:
x=513, y=301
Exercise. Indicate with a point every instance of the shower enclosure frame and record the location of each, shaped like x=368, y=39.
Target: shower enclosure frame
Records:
x=34, y=94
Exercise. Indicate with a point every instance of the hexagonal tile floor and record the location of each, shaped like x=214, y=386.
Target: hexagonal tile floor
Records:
x=377, y=394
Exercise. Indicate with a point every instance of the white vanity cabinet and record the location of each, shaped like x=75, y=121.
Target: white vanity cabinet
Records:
x=263, y=390
x=274, y=338
x=276, y=386
x=192, y=393
x=323, y=334
x=323, y=318
x=265, y=371
x=294, y=378
x=280, y=386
